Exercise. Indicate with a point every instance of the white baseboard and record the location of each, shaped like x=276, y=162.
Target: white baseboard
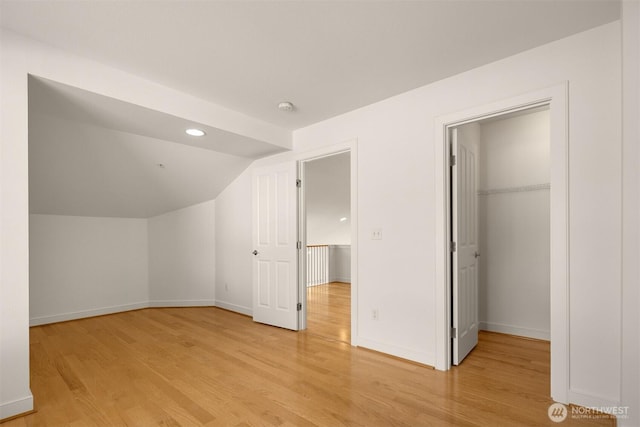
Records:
x=515, y=330
x=591, y=400
x=335, y=279
x=311, y=285
x=394, y=350
x=181, y=303
x=236, y=308
x=63, y=317
x=16, y=407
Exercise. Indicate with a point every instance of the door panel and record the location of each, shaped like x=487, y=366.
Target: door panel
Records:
x=275, y=292
x=263, y=280
x=465, y=234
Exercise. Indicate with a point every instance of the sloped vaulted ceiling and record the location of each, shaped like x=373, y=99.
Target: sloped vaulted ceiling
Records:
x=90, y=155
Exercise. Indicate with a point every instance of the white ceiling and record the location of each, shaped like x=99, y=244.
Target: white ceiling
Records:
x=92, y=155
x=327, y=57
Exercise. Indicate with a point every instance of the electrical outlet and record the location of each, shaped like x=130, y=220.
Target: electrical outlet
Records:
x=374, y=314
x=376, y=234
x=226, y=287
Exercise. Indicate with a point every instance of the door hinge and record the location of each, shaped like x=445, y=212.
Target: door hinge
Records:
x=299, y=306
x=299, y=244
x=453, y=333
x=298, y=183
x=452, y=246
x=452, y=160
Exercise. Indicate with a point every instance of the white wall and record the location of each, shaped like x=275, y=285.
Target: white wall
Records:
x=514, y=151
x=21, y=56
x=327, y=200
x=395, y=137
x=514, y=225
x=182, y=256
x=15, y=395
x=85, y=266
x=396, y=193
x=631, y=212
x=234, y=289
x=340, y=263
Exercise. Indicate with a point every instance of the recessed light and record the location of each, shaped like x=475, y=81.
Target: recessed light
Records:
x=195, y=132
x=343, y=219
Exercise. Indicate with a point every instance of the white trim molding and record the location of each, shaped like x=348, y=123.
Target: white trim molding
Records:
x=16, y=407
x=424, y=358
x=350, y=146
x=182, y=303
x=557, y=98
x=75, y=315
x=247, y=311
x=101, y=311
x=538, y=334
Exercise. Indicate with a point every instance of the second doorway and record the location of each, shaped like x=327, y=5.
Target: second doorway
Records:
x=501, y=211
x=327, y=216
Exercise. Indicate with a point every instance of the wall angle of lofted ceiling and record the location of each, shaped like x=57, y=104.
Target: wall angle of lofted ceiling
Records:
x=91, y=155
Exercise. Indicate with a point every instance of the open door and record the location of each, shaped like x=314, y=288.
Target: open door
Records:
x=275, y=268
x=464, y=222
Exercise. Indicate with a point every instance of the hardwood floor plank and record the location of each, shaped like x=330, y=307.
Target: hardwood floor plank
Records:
x=329, y=311
x=206, y=366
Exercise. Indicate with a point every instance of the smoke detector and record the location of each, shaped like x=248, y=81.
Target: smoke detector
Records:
x=285, y=106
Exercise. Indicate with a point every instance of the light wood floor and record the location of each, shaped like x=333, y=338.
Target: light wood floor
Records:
x=207, y=366
x=329, y=311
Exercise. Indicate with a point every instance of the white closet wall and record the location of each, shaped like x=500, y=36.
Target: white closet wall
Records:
x=514, y=225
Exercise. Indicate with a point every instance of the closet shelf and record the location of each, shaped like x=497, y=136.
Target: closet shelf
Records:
x=521, y=189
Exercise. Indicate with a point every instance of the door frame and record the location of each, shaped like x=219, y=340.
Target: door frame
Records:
x=556, y=97
x=350, y=146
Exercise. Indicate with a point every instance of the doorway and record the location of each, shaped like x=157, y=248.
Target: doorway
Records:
x=556, y=97
x=326, y=231
x=500, y=221
x=280, y=239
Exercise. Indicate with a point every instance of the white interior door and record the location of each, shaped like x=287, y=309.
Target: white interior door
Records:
x=275, y=268
x=465, y=237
